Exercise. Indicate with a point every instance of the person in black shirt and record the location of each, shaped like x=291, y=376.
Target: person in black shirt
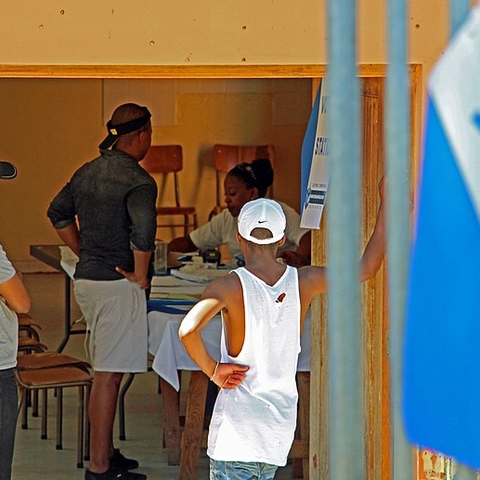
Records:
x=106, y=214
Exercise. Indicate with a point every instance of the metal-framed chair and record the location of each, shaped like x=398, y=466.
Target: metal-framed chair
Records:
x=58, y=378
x=29, y=326
x=167, y=160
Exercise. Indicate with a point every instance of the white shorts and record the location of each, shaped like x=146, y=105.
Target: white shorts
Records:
x=116, y=315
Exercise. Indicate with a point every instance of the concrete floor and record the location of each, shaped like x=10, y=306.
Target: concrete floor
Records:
x=38, y=459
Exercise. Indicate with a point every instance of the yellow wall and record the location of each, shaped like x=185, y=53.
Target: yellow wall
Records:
x=48, y=127
x=189, y=32
x=161, y=32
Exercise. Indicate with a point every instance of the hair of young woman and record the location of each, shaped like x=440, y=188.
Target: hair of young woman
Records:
x=257, y=174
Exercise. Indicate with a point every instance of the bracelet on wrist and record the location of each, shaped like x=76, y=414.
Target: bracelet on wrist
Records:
x=214, y=371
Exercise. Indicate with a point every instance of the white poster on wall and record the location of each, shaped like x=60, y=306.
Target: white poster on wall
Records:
x=315, y=162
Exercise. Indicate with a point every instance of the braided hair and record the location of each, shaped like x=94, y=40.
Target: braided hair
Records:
x=257, y=174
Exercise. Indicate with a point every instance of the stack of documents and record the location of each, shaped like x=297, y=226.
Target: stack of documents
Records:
x=174, y=289
x=199, y=273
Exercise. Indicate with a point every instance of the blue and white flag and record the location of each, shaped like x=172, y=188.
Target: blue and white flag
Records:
x=315, y=162
x=442, y=345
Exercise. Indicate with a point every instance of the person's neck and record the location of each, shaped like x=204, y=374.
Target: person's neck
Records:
x=264, y=266
x=128, y=151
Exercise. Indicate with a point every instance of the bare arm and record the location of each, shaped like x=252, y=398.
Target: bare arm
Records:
x=190, y=332
x=225, y=375
x=375, y=250
x=182, y=244
x=314, y=280
x=15, y=294
x=70, y=237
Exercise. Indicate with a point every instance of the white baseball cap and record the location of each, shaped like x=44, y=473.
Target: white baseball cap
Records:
x=262, y=213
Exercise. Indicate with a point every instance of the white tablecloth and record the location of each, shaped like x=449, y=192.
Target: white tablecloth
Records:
x=170, y=355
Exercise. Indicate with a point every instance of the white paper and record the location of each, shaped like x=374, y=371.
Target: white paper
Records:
x=318, y=179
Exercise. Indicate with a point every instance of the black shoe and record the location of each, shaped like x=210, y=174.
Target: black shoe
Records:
x=114, y=474
x=121, y=462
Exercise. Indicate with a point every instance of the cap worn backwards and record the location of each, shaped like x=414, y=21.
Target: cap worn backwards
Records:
x=115, y=131
x=7, y=170
x=262, y=213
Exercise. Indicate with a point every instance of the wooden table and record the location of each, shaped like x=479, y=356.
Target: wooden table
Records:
x=51, y=255
x=170, y=358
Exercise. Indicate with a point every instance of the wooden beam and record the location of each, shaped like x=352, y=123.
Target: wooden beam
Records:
x=178, y=71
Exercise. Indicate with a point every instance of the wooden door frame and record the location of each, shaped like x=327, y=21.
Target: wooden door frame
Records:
x=178, y=71
x=319, y=350
x=318, y=394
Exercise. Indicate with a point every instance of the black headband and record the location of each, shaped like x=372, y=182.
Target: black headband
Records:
x=115, y=131
x=7, y=170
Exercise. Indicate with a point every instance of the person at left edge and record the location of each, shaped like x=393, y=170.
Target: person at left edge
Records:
x=14, y=299
x=106, y=215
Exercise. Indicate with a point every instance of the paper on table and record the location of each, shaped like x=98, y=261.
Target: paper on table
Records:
x=68, y=260
x=199, y=273
x=161, y=295
x=166, y=281
x=172, y=287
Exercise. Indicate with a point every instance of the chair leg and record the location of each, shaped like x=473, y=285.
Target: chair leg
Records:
x=43, y=434
x=86, y=424
x=80, y=425
x=34, y=402
x=24, y=408
x=31, y=400
x=59, y=392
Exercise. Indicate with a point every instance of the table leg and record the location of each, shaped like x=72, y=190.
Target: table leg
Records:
x=300, y=448
x=68, y=327
x=67, y=315
x=171, y=422
x=193, y=431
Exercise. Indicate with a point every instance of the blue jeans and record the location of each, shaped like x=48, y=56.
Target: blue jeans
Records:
x=241, y=470
x=8, y=420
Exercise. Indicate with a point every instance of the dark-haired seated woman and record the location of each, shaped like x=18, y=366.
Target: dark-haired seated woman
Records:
x=245, y=182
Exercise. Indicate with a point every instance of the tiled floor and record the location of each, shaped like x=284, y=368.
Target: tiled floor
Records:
x=38, y=459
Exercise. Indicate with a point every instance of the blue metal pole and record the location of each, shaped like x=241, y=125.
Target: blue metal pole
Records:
x=458, y=12
x=346, y=428
x=397, y=120
x=465, y=473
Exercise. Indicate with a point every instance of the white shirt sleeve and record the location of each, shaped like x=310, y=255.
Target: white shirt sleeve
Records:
x=6, y=268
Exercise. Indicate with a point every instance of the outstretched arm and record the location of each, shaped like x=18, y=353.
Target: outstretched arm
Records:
x=314, y=280
x=375, y=250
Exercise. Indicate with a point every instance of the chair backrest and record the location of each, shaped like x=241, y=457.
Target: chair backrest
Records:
x=227, y=156
x=168, y=160
x=165, y=159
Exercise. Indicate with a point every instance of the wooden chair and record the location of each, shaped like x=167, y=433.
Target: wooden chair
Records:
x=28, y=326
x=27, y=345
x=38, y=361
x=228, y=156
x=59, y=378
x=168, y=161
